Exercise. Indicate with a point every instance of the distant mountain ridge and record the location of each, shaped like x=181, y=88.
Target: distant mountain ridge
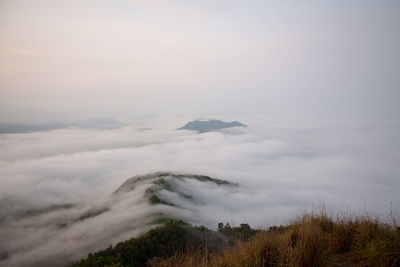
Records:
x=96, y=124
x=202, y=126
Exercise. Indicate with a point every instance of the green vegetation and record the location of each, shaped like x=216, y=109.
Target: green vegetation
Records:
x=202, y=178
x=166, y=180
x=172, y=238
x=244, y=232
x=156, y=200
x=312, y=240
x=92, y=213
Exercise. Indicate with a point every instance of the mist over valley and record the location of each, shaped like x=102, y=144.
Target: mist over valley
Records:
x=66, y=192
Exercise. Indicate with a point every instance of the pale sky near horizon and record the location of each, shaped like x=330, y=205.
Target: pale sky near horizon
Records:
x=335, y=58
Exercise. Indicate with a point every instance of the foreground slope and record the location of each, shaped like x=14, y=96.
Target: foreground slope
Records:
x=165, y=241
x=312, y=240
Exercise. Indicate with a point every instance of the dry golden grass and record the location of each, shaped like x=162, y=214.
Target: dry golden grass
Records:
x=311, y=240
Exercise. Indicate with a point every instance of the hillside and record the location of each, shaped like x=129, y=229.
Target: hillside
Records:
x=166, y=241
x=313, y=240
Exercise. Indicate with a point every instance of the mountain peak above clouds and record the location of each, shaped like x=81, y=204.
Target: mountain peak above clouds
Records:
x=202, y=126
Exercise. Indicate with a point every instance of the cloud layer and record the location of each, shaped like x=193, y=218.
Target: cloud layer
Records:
x=282, y=165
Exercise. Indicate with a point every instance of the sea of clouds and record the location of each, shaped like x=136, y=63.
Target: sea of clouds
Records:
x=283, y=166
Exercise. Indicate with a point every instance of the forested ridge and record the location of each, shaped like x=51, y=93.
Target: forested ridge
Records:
x=172, y=238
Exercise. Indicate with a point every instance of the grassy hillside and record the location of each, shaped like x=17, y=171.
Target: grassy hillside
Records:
x=312, y=240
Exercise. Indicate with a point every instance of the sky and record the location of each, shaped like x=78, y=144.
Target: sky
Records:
x=132, y=58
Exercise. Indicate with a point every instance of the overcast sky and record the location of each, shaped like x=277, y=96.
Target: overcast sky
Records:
x=335, y=58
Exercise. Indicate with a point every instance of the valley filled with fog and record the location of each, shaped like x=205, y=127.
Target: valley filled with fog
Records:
x=58, y=187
